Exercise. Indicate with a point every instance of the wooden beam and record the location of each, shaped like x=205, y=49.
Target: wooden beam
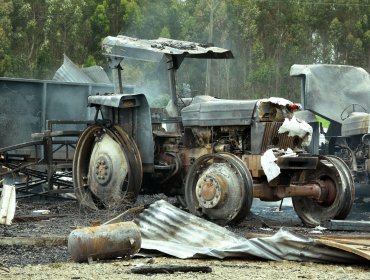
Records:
x=38, y=241
x=169, y=269
x=347, y=225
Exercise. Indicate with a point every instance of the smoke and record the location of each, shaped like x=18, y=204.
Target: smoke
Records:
x=149, y=78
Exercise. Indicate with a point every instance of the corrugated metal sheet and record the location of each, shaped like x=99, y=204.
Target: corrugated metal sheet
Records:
x=170, y=230
x=97, y=74
x=69, y=72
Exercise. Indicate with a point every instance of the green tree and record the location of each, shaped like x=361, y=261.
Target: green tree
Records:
x=266, y=37
x=110, y=18
x=6, y=8
x=241, y=30
x=63, y=33
x=28, y=19
x=339, y=32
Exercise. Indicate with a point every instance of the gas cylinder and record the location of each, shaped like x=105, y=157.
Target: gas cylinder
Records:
x=104, y=241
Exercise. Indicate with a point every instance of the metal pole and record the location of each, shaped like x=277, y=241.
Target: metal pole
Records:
x=172, y=81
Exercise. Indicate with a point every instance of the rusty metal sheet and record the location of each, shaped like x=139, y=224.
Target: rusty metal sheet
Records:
x=172, y=231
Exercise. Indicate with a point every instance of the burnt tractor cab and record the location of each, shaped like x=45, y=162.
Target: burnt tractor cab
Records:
x=215, y=154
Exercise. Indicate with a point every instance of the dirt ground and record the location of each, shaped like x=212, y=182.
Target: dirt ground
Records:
x=225, y=269
x=29, y=262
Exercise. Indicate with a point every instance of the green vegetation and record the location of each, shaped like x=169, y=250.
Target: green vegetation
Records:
x=325, y=123
x=266, y=36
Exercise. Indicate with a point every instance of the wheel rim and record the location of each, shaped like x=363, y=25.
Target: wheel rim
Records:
x=349, y=188
x=219, y=187
x=107, y=169
x=336, y=181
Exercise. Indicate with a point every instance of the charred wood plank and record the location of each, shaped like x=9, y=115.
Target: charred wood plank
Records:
x=25, y=219
x=169, y=269
x=37, y=241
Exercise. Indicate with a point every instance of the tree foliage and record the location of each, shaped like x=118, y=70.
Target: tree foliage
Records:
x=266, y=37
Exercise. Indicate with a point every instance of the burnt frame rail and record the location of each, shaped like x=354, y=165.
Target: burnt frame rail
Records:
x=42, y=167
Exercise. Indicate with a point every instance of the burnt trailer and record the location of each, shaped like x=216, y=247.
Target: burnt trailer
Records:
x=215, y=154
x=40, y=122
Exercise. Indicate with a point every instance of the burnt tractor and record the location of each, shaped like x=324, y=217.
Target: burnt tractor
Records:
x=215, y=155
x=348, y=135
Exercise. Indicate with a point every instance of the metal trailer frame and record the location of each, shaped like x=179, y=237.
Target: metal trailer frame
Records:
x=40, y=122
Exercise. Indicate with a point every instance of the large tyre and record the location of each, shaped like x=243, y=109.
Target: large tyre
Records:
x=338, y=186
x=107, y=169
x=219, y=187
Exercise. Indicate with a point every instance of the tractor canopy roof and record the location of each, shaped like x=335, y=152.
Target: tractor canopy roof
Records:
x=154, y=50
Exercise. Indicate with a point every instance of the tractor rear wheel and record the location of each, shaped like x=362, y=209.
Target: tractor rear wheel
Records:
x=107, y=169
x=339, y=193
